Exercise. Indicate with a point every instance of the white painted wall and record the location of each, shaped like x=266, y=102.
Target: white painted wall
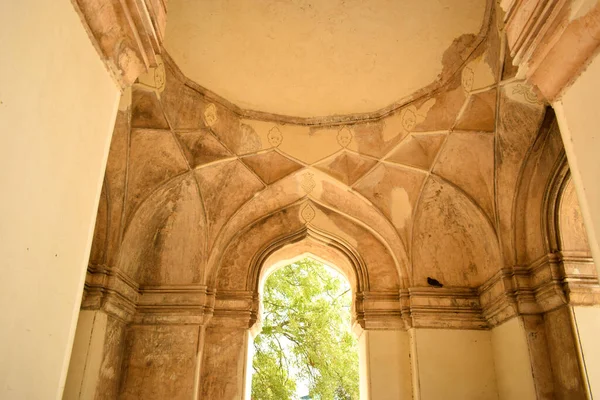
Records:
x=512, y=362
x=587, y=320
x=579, y=122
x=57, y=111
x=453, y=364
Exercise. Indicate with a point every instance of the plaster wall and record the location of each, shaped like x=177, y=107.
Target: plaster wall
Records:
x=579, y=120
x=57, y=111
x=588, y=326
x=454, y=364
x=386, y=371
x=512, y=362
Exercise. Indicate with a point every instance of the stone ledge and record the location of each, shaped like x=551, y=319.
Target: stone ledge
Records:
x=546, y=284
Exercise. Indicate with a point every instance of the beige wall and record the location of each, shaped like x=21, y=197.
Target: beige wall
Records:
x=385, y=365
x=57, y=110
x=587, y=320
x=579, y=121
x=454, y=364
x=512, y=362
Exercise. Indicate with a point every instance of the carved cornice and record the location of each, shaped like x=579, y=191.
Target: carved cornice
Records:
x=552, y=40
x=548, y=283
x=554, y=280
x=128, y=34
x=378, y=310
x=457, y=308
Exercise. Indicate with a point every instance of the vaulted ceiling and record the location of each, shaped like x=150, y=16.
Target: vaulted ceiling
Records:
x=310, y=58
x=447, y=185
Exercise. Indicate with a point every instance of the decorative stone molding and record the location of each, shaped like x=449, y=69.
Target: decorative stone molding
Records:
x=175, y=304
x=128, y=34
x=457, y=308
x=111, y=291
x=551, y=40
x=378, y=310
x=547, y=284
x=236, y=309
x=555, y=280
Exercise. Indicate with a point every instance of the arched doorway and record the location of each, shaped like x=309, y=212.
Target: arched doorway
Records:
x=226, y=363
x=304, y=343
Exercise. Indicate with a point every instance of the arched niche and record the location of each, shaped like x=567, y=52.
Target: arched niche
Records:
x=564, y=228
x=164, y=243
x=309, y=244
x=537, y=189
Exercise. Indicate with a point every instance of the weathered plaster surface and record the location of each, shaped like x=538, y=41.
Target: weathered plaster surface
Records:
x=310, y=59
x=466, y=184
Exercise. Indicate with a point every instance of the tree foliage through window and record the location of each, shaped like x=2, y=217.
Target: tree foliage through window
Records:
x=306, y=339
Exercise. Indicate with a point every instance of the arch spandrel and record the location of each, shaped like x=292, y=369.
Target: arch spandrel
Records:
x=323, y=190
x=231, y=271
x=295, y=223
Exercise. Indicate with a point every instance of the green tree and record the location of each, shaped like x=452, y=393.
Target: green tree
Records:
x=306, y=336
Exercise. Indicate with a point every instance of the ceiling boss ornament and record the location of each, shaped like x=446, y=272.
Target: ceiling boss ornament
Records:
x=308, y=182
x=307, y=213
x=210, y=115
x=275, y=137
x=527, y=92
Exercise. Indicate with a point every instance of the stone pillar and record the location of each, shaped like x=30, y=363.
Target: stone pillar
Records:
x=226, y=355
x=225, y=363
x=96, y=358
x=160, y=361
x=564, y=349
x=164, y=344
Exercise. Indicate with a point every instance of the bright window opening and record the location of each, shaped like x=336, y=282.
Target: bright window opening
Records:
x=306, y=349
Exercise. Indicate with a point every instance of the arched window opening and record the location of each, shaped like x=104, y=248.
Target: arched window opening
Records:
x=306, y=349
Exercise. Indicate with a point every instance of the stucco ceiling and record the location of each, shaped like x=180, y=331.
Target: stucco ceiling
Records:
x=310, y=58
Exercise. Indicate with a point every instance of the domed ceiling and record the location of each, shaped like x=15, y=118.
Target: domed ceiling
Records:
x=311, y=58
